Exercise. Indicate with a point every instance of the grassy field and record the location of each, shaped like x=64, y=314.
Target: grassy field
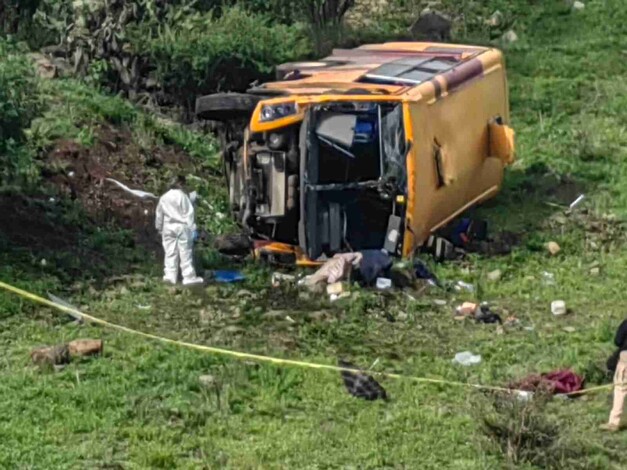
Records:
x=142, y=405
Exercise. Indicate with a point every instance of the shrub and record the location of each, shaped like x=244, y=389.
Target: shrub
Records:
x=525, y=433
x=18, y=93
x=19, y=105
x=200, y=54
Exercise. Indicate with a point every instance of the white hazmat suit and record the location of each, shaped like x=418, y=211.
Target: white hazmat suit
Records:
x=175, y=222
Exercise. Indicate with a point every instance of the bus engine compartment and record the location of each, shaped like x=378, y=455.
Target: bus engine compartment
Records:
x=334, y=182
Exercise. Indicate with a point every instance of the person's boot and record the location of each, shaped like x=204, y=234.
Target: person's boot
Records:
x=193, y=280
x=169, y=280
x=610, y=427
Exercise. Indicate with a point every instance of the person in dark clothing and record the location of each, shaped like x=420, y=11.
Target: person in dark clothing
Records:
x=620, y=341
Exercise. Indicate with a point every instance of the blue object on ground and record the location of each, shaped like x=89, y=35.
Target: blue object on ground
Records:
x=228, y=276
x=423, y=272
x=373, y=264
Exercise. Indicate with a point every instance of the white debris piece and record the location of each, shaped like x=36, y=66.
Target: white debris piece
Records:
x=135, y=192
x=558, y=307
x=577, y=201
x=467, y=358
x=579, y=6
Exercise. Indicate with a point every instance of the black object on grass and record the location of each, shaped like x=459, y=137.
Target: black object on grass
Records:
x=361, y=385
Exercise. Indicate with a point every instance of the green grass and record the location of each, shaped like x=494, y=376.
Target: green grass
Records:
x=142, y=406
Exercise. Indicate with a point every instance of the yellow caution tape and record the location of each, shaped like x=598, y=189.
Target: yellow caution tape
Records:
x=256, y=357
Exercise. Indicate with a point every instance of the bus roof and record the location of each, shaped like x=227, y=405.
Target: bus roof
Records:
x=390, y=68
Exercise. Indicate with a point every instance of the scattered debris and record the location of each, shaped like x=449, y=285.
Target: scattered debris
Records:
x=336, y=288
x=557, y=382
x=464, y=286
x=548, y=278
x=485, y=315
x=135, y=192
x=524, y=395
x=279, y=279
x=576, y=202
x=467, y=358
x=51, y=355
x=85, y=347
x=595, y=271
x=336, y=297
x=228, y=277
x=481, y=313
x=373, y=264
x=64, y=353
x=510, y=36
x=384, y=283
x=361, y=385
x=422, y=272
x=63, y=303
x=495, y=275
x=466, y=309
x=553, y=248
x=558, y=307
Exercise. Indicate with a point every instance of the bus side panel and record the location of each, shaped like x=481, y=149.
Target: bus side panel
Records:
x=452, y=165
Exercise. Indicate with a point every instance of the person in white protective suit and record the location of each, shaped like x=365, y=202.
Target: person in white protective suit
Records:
x=175, y=222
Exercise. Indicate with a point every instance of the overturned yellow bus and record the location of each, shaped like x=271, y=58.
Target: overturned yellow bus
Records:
x=373, y=147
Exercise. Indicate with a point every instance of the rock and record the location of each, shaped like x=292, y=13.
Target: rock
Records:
x=431, y=26
x=495, y=20
x=579, y=6
x=45, y=68
x=495, y=275
x=553, y=248
x=207, y=381
x=510, y=36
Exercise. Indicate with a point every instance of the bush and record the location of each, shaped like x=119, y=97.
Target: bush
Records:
x=19, y=102
x=524, y=432
x=19, y=105
x=200, y=54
